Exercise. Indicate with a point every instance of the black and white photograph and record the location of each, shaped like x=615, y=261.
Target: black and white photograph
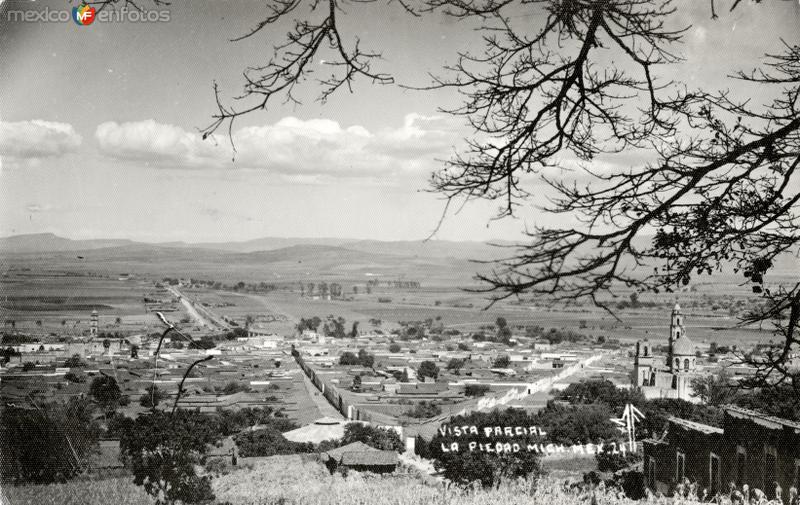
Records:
x=401, y=252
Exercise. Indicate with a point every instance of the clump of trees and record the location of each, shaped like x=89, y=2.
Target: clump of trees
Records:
x=74, y=361
x=105, y=391
x=428, y=369
x=424, y=410
x=162, y=450
x=476, y=390
x=310, y=324
x=488, y=469
x=45, y=443
x=74, y=377
x=455, y=365
x=373, y=436
x=363, y=358
x=152, y=397
x=234, y=387
x=268, y=441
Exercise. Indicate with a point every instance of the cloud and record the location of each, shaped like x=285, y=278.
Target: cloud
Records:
x=157, y=143
x=292, y=147
x=37, y=139
x=36, y=208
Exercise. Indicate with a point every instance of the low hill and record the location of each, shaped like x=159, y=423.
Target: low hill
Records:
x=49, y=242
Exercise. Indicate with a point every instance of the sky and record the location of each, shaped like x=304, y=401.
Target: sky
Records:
x=99, y=124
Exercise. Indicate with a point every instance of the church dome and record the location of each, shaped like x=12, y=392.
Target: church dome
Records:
x=683, y=347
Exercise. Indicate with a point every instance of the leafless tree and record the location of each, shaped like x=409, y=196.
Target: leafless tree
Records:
x=577, y=81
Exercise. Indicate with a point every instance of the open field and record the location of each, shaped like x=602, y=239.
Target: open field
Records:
x=51, y=297
x=52, y=287
x=63, y=301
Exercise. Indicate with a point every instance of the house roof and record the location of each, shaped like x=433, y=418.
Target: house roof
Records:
x=771, y=422
x=360, y=454
x=370, y=458
x=691, y=425
x=355, y=446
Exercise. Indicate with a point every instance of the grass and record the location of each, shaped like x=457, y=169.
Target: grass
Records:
x=120, y=491
x=293, y=480
x=289, y=480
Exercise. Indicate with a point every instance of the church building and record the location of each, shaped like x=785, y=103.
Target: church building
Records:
x=669, y=378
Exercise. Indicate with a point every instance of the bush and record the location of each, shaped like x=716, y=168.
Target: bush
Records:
x=152, y=397
x=73, y=377
x=394, y=348
x=379, y=438
x=234, y=387
x=576, y=424
x=40, y=444
x=607, y=461
x=455, y=364
x=476, y=389
x=231, y=422
x=74, y=362
x=348, y=359
x=28, y=366
x=465, y=467
x=428, y=369
x=424, y=410
x=105, y=391
x=161, y=450
x=600, y=391
x=502, y=362
x=268, y=442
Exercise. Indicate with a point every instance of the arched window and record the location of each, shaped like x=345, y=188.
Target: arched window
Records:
x=677, y=363
x=686, y=364
x=645, y=351
x=678, y=334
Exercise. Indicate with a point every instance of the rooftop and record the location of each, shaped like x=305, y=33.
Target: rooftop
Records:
x=691, y=425
x=771, y=422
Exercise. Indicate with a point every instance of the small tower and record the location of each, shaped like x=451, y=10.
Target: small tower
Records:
x=643, y=364
x=676, y=331
x=93, y=324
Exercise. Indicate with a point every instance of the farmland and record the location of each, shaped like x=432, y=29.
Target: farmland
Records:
x=55, y=292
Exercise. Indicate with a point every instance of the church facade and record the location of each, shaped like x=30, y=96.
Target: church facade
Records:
x=670, y=376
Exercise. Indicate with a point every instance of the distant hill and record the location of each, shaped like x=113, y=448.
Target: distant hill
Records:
x=321, y=252
x=49, y=242
x=429, y=249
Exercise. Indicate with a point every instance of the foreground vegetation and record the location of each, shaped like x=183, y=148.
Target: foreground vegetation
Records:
x=290, y=480
x=121, y=491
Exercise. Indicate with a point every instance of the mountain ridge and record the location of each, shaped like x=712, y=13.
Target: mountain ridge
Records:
x=51, y=243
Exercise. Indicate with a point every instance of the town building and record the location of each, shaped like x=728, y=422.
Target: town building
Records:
x=361, y=457
x=751, y=448
x=672, y=377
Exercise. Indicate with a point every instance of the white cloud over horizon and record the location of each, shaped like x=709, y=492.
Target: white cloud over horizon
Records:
x=291, y=147
x=37, y=138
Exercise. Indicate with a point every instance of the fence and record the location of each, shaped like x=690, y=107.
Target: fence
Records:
x=339, y=402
